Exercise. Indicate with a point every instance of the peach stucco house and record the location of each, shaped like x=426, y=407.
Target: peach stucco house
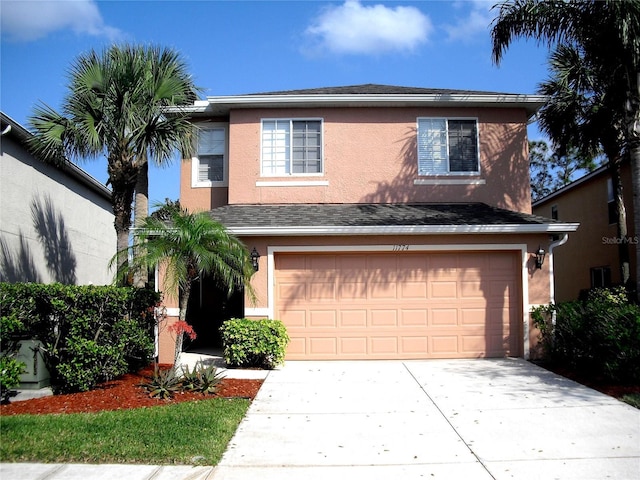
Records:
x=391, y=222
x=591, y=257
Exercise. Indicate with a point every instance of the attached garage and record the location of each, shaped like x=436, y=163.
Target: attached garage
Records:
x=400, y=305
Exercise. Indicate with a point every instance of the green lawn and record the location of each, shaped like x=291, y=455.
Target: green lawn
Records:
x=185, y=433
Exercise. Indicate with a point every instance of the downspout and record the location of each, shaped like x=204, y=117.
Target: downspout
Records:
x=552, y=288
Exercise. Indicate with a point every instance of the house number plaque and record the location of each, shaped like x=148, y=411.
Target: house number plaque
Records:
x=400, y=248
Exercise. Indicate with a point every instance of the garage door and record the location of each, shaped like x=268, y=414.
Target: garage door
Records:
x=399, y=306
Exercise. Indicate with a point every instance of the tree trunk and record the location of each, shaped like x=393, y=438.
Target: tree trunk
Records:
x=633, y=145
x=141, y=211
x=122, y=176
x=184, y=301
x=621, y=220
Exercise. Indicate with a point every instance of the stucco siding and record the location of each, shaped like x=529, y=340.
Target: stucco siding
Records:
x=595, y=243
x=53, y=227
x=370, y=157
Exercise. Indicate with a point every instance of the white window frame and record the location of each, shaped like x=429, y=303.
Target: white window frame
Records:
x=290, y=173
x=195, y=160
x=448, y=172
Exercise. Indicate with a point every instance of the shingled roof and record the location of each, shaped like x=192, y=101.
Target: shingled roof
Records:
x=335, y=219
x=377, y=89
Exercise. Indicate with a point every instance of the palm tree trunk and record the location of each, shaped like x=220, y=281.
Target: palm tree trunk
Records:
x=141, y=211
x=122, y=181
x=621, y=221
x=633, y=145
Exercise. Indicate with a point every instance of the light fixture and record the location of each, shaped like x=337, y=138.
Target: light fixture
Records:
x=540, y=253
x=255, y=256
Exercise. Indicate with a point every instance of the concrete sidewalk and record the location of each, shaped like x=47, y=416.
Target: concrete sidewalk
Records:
x=472, y=419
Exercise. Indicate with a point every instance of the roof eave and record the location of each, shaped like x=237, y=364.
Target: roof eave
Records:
x=222, y=105
x=550, y=228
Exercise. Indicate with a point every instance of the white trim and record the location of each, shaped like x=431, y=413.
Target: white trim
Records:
x=257, y=312
x=173, y=312
x=299, y=183
x=449, y=181
x=514, y=247
x=404, y=229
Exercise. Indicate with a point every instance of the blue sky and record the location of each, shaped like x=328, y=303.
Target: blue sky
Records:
x=237, y=47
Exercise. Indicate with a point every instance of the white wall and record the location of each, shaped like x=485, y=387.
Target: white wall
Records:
x=53, y=226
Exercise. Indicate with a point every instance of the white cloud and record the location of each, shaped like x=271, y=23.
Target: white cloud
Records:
x=28, y=20
x=356, y=29
x=477, y=20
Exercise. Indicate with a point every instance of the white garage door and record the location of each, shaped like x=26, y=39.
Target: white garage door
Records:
x=399, y=306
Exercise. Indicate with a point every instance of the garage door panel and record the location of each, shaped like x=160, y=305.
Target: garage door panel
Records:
x=444, y=309
x=322, y=318
x=444, y=289
x=383, y=318
x=322, y=291
x=353, y=318
x=352, y=291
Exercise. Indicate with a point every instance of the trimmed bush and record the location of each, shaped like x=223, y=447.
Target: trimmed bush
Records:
x=254, y=343
x=11, y=330
x=89, y=334
x=599, y=335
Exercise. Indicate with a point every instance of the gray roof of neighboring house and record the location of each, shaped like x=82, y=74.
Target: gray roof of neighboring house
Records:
x=349, y=219
x=367, y=95
x=22, y=135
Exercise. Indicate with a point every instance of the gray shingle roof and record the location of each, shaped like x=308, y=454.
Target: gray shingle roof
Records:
x=371, y=215
x=376, y=89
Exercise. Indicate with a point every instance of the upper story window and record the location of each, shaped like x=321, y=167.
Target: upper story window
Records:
x=291, y=147
x=211, y=164
x=447, y=146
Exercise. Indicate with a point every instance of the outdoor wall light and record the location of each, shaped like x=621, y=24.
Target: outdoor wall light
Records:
x=255, y=256
x=540, y=253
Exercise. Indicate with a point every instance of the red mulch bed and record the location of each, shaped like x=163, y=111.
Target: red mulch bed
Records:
x=612, y=389
x=124, y=393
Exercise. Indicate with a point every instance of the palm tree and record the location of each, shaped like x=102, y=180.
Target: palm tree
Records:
x=604, y=38
x=115, y=107
x=188, y=246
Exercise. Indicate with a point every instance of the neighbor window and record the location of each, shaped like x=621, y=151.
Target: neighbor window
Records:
x=291, y=147
x=447, y=146
x=600, y=277
x=210, y=164
x=611, y=203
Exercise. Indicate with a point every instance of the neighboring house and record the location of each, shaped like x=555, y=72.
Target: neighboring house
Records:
x=56, y=223
x=590, y=258
x=391, y=222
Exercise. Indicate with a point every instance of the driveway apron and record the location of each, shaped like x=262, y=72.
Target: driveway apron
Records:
x=472, y=419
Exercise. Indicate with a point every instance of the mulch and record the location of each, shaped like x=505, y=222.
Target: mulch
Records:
x=125, y=393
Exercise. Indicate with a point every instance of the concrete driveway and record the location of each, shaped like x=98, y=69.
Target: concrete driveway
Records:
x=467, y=419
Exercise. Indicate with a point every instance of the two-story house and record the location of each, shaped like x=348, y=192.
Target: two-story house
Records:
x=591, y=256
x=390, y=222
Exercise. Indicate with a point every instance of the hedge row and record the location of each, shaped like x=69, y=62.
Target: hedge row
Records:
x=599, y=335
x=89, y=334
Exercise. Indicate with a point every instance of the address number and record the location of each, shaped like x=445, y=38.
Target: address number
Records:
x=400, y=248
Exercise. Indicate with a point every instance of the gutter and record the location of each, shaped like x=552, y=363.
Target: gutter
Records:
x=552, y=288
x=403, y=229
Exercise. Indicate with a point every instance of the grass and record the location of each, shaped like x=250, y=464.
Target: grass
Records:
x=185, y=433
x=632, y=399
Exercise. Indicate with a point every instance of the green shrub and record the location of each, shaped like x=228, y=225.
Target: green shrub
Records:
x=254, y=343
x=11, y=329
x=89, y=334
x=10, y=371
x=599, y=335
x=163, y=383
